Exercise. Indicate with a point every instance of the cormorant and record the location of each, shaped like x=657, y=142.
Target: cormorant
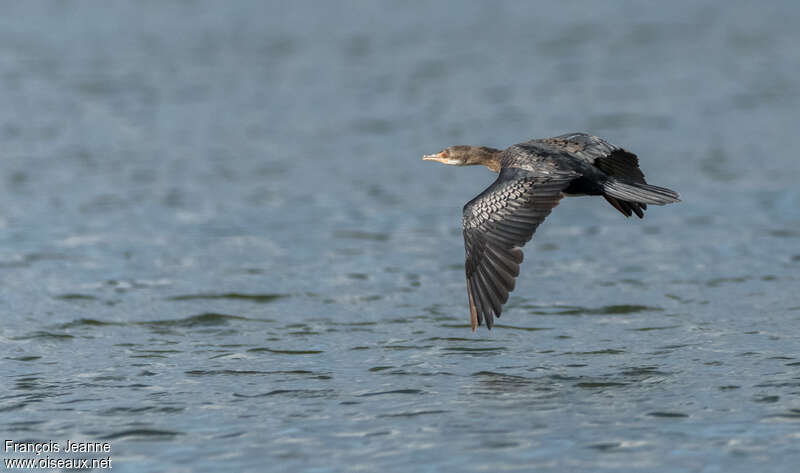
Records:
x=534, y=176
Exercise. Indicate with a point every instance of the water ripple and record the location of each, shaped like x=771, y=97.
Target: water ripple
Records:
x=293, y=393
x=395, y=391
x=284, y=352
x=413, y=413
x=614, y=309
x=42, y=334
x=199, y=320
x=670, y=415
x=257, y=298
x=142, y=434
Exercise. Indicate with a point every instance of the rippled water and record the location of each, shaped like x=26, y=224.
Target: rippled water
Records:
x=220, y=250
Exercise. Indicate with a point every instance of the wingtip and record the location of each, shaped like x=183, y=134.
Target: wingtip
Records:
x=473, y=313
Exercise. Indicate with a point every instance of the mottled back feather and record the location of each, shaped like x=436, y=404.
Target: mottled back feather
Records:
x=609, y=158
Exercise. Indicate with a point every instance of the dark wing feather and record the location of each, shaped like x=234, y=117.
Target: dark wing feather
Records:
x=609, y=158
x=496, y=224
x=621, y=163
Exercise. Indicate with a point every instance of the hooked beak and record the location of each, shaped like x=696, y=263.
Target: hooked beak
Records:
x=439, y=157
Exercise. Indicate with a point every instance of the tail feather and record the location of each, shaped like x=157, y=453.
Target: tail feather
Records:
x=641, y=193
x=627, y=208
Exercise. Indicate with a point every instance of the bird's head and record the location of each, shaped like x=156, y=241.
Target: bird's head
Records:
x=462, y=155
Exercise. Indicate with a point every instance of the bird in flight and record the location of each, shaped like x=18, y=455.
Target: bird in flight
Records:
x=534, y=176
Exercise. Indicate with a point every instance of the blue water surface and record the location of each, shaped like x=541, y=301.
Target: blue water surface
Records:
x=220, y=249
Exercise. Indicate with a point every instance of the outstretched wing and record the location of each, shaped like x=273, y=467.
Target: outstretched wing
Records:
x=496, y=224
x=609, y=158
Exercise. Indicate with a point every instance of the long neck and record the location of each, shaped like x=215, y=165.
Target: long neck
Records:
x=489, y=157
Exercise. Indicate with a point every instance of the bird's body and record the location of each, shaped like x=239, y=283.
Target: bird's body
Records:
x=534, y=176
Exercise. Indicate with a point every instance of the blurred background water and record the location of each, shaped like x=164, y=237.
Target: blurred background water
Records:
x=220, y=249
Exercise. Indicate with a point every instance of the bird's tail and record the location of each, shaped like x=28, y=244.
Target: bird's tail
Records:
x=642, y=193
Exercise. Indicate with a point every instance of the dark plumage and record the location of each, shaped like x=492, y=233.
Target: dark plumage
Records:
x=534, y=176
